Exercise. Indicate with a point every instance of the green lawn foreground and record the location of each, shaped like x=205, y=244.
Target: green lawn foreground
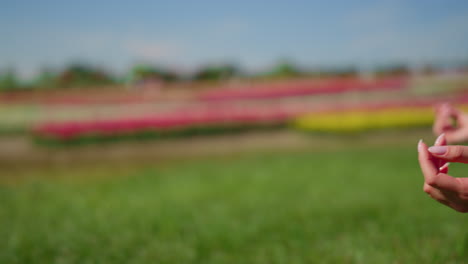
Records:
x=362, y=205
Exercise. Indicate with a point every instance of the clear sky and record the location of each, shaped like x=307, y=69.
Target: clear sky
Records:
x=255, y=34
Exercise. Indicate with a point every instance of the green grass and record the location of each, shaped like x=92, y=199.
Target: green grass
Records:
x=352, y=206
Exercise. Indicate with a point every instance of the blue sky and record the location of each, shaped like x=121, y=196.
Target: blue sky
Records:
x=253, y=34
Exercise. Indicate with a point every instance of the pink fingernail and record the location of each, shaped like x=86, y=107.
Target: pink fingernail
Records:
x=444, y=166
x=438, y=150
x=439, y=139
x=419, y=145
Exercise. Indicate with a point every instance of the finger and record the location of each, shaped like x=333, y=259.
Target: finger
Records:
x=445, y=182
x=444, y=168
x=455, y=113
x=425, y=162
x=429, y=156
x=450, y=153
x=435, y=194
x=440, y=141
x=458, y=132
x=456, y=135
x=442, y=122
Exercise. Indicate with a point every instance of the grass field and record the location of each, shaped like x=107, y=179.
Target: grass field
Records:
x=360, y=205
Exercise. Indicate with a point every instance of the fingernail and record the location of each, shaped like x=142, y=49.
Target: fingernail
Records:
x=419, y=145
x=444, y=166
x=439, y=139
x=438, y=150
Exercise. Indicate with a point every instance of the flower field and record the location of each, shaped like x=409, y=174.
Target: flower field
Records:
x=304, y=88
x=178, y=123
x=361, y=120
x=263, y=197
x=224, y=118
x=325, y=105
x=216, y=119
x=377, y=116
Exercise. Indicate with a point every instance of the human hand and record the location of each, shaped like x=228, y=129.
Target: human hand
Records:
x=448, y=190
x=445, y=114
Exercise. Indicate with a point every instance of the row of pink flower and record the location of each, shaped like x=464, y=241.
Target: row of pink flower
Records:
x=308, y=87
x=68, y=98
x=211, y=115
x=254, y=91
x=177, y=120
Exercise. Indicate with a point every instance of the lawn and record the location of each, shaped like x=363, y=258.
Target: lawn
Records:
x=360, y=205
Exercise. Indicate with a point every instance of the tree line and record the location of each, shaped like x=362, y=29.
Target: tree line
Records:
x=83, y=75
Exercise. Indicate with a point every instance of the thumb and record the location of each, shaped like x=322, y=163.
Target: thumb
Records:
x=456, y=135
x=442, y=121
x=450, y=153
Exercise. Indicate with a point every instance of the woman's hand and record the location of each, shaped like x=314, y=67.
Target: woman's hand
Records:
x=445, y=116
x=448, y=190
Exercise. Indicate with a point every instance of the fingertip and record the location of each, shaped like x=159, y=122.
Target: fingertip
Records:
x=420, y=145
x=444, y=168
x=440, y=140
x=427, y=188
x=438, y=150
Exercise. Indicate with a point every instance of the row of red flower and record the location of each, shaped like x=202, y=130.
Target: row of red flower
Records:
x=254, y=91
x=298, y=88
x=177, y=120
x=210, y=115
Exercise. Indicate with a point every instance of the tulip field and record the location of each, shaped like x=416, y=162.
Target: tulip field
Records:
x=296, y=105
x=324, y=172
x=222, y=119
x=304, y=88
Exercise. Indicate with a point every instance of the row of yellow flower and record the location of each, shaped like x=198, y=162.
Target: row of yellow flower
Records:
x=363, y=120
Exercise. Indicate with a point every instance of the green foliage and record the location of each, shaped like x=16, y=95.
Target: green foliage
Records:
x=349, y=71
x=9, y=81
x=348, y=206
x=142, y=72
x=83, y=75
x=397, y=69
x=45, y=79
x=285, y=69
x=216, y=73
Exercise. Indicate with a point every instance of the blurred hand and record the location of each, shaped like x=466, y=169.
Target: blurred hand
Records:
x=448, y=190
x=445, y=115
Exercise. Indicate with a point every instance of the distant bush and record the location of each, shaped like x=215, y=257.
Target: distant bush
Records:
x=143, y=72
x=8, y=81
x=285, y=69
x=216, y=73
x=83, y=75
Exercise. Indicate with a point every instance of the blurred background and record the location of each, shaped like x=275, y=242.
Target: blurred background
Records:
x=226, y=132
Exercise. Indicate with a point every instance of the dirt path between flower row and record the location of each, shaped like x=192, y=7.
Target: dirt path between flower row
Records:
x=20, y=151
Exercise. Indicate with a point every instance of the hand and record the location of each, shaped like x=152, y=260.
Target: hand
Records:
x=445, y=114
x=448, y=190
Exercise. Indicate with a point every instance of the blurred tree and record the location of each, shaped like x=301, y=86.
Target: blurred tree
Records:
x=285, y=69
x=428, y=69
x=83, y=75
x=216, y=73
x=347, y=71
x=45, y=79
x=9, y=80
x=142, y=72
x=398, y=69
